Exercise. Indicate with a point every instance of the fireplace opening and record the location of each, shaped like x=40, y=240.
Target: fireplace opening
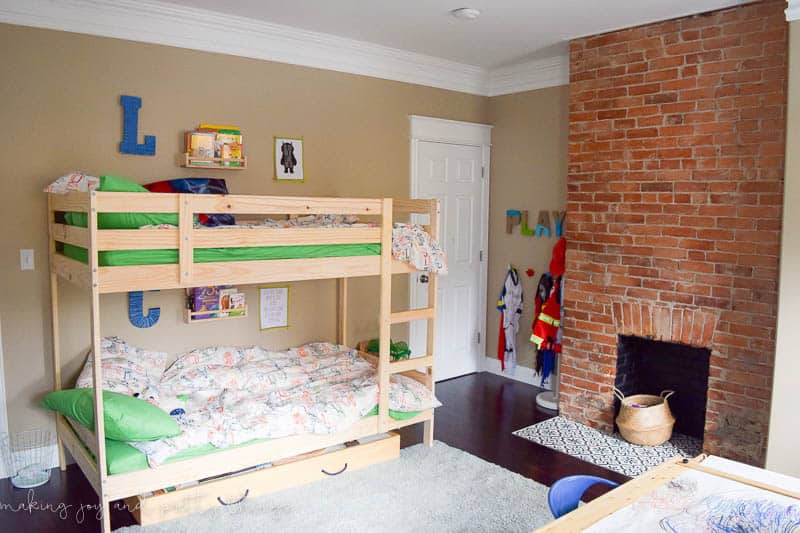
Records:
x=646, y=366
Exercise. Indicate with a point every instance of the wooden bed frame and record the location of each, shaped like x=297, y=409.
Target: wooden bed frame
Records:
x=587, y=515
x=186, y=273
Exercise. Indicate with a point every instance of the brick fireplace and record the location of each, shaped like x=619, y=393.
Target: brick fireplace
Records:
x=648, y=365
x=675, y=186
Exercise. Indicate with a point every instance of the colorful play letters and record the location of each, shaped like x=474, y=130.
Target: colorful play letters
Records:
x=516, y=217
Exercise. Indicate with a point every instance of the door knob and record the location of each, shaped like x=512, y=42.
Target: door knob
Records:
x=423, y=278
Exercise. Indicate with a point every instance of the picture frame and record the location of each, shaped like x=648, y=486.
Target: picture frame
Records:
x=288, y=159
x=273, y=307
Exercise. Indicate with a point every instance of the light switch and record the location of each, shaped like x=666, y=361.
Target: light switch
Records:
x=26, y=259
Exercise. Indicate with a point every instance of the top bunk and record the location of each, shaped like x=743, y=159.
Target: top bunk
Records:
x=184, y=254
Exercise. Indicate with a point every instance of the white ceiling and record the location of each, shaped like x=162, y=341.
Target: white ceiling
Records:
x=508, y=31
x=516, y=45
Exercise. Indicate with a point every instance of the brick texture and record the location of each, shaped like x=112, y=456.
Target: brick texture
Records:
x=675, y=188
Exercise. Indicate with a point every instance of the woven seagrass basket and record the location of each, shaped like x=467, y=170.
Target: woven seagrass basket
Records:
x=645, y=419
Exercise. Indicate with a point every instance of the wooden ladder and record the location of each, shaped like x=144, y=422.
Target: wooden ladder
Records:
x=387, y=318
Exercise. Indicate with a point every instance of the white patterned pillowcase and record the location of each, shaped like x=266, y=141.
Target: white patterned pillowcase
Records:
x=412, y=244
x=126, y=369
x=408, y=395
x=74, y=181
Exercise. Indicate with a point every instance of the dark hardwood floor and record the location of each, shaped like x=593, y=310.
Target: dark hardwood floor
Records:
x=479, y=413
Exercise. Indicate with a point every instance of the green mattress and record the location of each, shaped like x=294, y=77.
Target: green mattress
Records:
x=211, y=255
x=121, y=457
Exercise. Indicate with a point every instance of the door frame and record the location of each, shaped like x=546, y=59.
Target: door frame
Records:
x=431, y=129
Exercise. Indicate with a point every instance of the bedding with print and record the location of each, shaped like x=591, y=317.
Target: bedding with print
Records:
x=126, y=369
x=229, y=395
x=410, y=242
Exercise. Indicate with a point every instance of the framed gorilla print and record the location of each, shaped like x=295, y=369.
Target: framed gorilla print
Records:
x=289, y=159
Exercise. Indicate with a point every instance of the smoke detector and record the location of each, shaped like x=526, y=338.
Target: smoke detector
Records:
x=466, y=13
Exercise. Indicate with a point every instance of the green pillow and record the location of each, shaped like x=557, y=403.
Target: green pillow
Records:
x=126, y=418
x=110, y=183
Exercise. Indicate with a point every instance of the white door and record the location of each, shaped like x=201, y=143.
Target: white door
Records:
x=453, y=174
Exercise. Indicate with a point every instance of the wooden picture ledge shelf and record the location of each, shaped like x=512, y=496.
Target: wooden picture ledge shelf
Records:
x=191, y=316
x=214, y=162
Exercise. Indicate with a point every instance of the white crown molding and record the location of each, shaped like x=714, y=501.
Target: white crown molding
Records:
x=792, y=10
x=186, y=27
x=530, y=75
x=152, y=21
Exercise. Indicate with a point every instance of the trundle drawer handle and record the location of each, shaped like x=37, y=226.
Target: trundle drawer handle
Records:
x=335, y=473
x=240, y=500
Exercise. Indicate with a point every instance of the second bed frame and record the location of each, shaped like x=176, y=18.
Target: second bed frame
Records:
x=90, y=453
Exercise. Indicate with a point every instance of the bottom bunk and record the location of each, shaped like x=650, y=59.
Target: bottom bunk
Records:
x=122, y=458
x=219, y=397
x=246, y=420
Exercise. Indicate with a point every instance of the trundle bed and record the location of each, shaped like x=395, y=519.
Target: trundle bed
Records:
x=195, y=256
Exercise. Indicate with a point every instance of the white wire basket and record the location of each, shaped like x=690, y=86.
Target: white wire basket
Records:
x=27, y=457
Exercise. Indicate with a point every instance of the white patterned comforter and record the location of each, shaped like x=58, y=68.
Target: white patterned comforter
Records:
x=231, y=395
x=410, y=242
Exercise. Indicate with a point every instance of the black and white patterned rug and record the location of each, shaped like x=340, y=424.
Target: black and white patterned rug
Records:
x=609, y=451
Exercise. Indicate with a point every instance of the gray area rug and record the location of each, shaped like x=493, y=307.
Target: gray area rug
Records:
x=426, y=489
x=609, y=451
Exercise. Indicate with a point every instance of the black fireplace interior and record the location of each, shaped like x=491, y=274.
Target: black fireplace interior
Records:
x=646, y=366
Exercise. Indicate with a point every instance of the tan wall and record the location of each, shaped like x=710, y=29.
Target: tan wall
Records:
x=782, y=453
x=529, y=172
x=60, y=111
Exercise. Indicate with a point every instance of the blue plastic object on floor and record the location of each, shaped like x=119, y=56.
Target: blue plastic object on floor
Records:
x=565, y=494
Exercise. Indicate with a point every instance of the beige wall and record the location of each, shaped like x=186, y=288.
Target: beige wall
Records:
x=529, y=172
x=784, y=426
x=60, y=111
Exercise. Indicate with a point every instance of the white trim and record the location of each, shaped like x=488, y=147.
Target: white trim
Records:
x=432, y=129
x=538, y=74
x=449, y=131
x=522, y=373
x=153, y=21
x=157, y=22
x=3, y=411
x=483, y=290
x=792, y=10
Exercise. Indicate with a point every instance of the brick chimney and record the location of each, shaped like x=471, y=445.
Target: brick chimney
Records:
x=675, y=187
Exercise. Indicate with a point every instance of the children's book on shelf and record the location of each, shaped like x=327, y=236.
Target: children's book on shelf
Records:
x=216, y=141
x=221, y=301
x=237, y=304
x=232, y=301
x=205, y=299
x=201, y=144
x=229, y=146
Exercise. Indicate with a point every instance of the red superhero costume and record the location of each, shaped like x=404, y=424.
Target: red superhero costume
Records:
x=546, y=326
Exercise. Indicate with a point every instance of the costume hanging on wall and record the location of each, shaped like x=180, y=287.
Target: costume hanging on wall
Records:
x=543, y=291
x=510, y=306
x=501, y=340
x=546, y=330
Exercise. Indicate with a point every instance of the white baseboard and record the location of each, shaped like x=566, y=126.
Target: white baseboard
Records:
x=522, y=373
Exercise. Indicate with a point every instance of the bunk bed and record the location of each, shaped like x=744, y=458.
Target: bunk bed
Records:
x=294, y=459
